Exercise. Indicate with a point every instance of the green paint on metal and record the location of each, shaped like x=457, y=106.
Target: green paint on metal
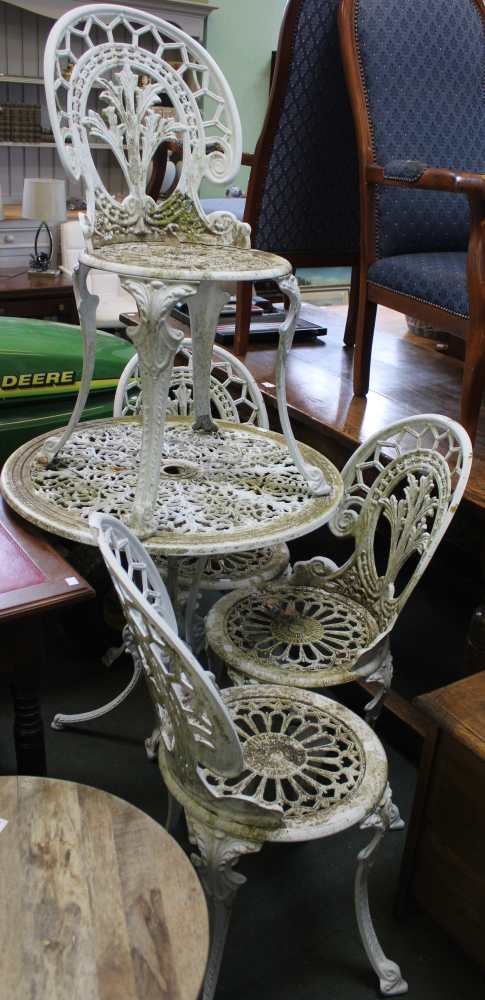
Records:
x=40, y=370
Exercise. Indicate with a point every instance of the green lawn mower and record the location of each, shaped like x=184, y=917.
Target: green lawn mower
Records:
x=40, y=371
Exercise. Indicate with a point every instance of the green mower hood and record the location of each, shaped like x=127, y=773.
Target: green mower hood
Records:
x=40, y=371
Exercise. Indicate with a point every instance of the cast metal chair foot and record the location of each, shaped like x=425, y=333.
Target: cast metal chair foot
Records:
x=60, y=721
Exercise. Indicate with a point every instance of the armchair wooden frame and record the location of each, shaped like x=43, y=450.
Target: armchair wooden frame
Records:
x=259, y=162
x=429, y=178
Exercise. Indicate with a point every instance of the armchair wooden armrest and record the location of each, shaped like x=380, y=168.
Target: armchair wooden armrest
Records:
x=247, y=159
x=411, y=174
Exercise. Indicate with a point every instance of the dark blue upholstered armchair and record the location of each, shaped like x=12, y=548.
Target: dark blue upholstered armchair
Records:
x=303, y=195
x=416, y=73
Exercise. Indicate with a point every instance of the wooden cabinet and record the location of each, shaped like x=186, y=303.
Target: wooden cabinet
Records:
x=444, y=858
x=37, y=296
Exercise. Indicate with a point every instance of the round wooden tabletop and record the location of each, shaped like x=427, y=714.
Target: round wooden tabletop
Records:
x=98, y=902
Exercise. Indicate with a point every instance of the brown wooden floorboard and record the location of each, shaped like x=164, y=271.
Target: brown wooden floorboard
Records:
x=408, y=376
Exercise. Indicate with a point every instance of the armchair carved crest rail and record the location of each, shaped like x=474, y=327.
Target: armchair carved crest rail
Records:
x=125, y=78
x=249, y=765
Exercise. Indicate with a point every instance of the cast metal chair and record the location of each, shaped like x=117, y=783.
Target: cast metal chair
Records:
x=327, y=624
x=235, y=396
x=110, y=72
x=249, y=765
x=415, y=71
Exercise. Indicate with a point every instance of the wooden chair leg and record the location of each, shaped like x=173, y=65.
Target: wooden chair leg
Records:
x=244, y=297
x=364, y=336
x=352, y=315
x=473, y=381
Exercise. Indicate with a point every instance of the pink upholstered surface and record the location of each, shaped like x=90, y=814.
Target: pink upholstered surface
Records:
x=17, y=569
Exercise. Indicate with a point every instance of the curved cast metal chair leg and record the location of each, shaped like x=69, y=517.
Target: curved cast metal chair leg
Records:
x=314, y=477
x=383, y=677
x=174, y=812
x=218, y=855
x=204, y=309
x=194, y=634
x=391, y=981
x=88, y=304
x=60, y=720
x=151, y=744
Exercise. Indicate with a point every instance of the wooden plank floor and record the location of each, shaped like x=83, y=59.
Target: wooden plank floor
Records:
x=408, y=376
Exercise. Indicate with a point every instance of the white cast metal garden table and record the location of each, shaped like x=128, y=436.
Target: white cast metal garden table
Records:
x=230, y=491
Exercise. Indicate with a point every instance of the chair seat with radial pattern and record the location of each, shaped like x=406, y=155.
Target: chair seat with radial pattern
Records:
x=327, y=624
x=234, y=396
x=250, y=764
x=204, y=261
x=132, y=82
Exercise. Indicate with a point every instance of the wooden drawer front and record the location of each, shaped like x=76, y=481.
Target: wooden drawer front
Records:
x=449, y=879
x=40, y=308
x=13, y=257
x=13, y=234
x=17, y=237
x=452, y=894
x=456, y=801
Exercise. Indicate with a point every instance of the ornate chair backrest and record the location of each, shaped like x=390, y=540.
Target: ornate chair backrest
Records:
x=197, y=733
x=406, y=481
x=418, y=67
x=234, y=394
x=131, y=81
x=303, y=197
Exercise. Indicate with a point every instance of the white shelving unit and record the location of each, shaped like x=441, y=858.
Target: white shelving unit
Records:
x=23, y=35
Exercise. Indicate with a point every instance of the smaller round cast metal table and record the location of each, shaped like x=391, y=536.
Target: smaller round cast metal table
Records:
x=229, y=491
x=98, y=900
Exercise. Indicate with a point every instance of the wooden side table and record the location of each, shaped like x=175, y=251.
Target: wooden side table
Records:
x=444, y=857
x=34, y=579
x=37, y=296
x=98, y=901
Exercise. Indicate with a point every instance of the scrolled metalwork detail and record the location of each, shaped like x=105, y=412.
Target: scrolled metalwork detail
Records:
x=135, y=60
x=234, y=481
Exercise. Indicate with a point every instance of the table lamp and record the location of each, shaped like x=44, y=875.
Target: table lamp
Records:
x=45, y=201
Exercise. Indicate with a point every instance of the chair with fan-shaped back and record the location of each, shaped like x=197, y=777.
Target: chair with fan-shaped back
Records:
x=303, y=194
x=235, y=397
x=234, y=393
x=248, y=765
x=130, y=81
x=328, y=624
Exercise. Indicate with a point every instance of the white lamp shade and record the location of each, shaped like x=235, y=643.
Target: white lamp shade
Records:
x=44, y=199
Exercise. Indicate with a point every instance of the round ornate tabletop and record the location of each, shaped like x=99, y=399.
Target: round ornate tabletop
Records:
x=231, y=491
x=98, y=900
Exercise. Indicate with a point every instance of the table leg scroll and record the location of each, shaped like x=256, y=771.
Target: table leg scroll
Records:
x=156, y=342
